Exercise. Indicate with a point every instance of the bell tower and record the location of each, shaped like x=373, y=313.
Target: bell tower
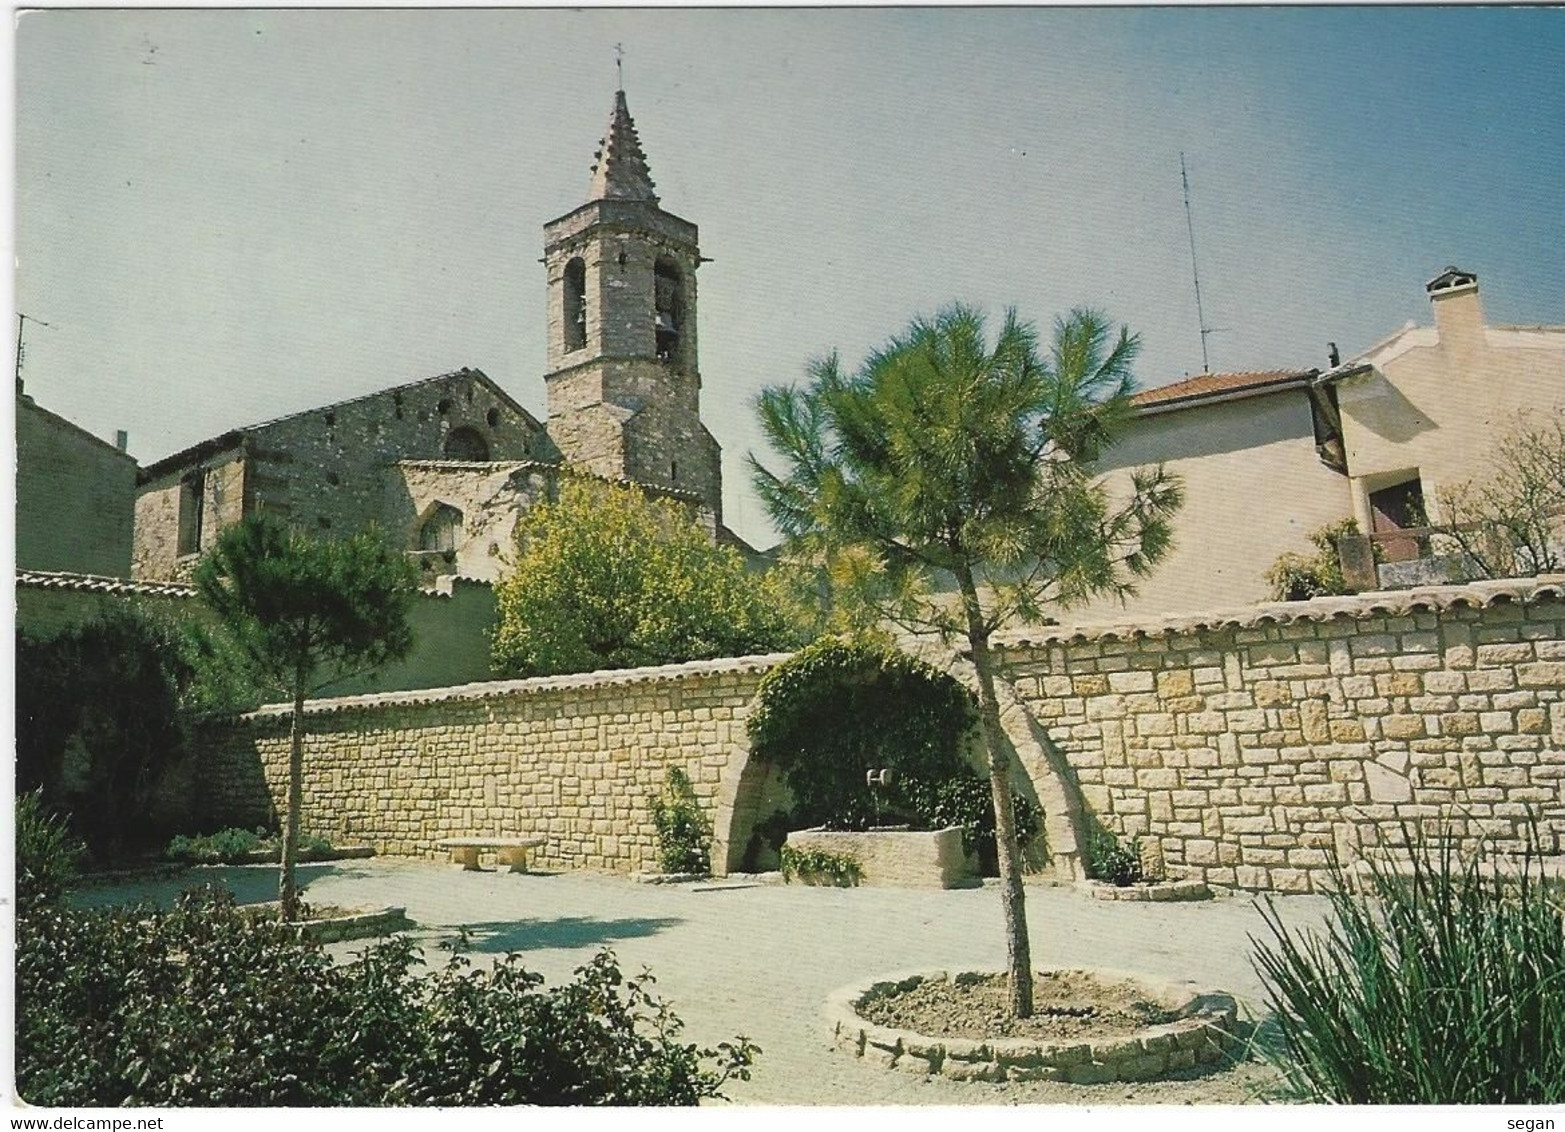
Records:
x=623, y=380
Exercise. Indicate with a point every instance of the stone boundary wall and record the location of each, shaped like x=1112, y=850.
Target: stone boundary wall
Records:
x=1249, y=745
x=575, y=758
x=1244, y=747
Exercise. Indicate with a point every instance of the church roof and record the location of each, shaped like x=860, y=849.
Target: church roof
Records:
x=619, y=170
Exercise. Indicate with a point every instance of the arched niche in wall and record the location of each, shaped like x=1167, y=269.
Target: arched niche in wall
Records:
x=466, y=443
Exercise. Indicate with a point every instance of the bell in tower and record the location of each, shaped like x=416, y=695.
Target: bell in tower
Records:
x=623, y=374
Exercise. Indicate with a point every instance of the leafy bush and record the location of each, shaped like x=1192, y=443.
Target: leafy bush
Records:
x=1442, y=986
x=234, y=846
x=1299, y=577
x=815, y=866
x=1111, y=860
x=47, y=855
x=609, y=578
x=99, y=720
x=103, y=712
x=838, y=709
x=966, y=800
x=684, y=834
x=206, y=1006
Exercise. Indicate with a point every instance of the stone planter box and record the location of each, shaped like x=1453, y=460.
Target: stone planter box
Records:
x=1161, y=891
x=926, y=859
x=1206, y=1031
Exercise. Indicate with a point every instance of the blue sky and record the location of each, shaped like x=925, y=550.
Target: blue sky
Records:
x=230, y=215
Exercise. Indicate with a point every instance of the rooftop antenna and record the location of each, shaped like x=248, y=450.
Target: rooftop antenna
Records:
x=619, y=65
x=21, y=351
x=1195, y=274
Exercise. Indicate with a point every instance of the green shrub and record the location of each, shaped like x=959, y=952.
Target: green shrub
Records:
x=1299, y=577
x=1444, y=985
x=99, y=720
x=684, y=834
x=1110, y=859
x=817, y=866
x=206, y=1006
x=234, y=846
x=966, y=800
x=609, y=577
x=103, y=711
x=836, y=710
x=48, y=857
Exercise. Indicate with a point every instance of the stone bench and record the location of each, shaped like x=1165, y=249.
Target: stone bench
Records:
x=510, y=851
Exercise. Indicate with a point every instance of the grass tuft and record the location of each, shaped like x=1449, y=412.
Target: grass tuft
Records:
x=1439, y=983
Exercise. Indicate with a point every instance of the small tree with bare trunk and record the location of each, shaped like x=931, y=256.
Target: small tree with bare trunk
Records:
x=954, y=464
x=306, y=613
x=1510, y=522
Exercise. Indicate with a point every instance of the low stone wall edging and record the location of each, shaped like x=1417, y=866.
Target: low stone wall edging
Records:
x=1205, y=1033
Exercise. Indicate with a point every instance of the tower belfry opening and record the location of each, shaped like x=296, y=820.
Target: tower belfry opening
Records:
x=665, y=286
x=624, y=375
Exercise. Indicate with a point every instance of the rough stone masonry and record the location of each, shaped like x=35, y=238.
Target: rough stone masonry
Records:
x=1249, y=745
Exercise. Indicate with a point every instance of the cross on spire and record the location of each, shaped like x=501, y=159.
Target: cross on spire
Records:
x=619, y=64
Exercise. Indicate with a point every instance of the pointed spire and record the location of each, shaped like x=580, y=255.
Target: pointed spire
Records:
x=619, y=170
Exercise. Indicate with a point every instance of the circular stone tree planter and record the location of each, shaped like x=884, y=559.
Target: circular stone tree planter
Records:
x=348, y=924
x=1205, y=1031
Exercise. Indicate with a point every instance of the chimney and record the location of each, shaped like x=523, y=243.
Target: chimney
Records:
x=1458, y=313
x=122, y=440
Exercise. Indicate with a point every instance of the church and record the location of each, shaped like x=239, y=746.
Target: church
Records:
x=445, y=466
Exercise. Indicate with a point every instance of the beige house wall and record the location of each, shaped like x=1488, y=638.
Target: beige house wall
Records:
x=224, y=485
x=75, y=496
x=1433, y=401
x=1254, y=488
x=451, y=624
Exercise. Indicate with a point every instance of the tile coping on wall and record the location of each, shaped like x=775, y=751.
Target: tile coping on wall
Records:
x=491, y=689
x=98, y=583
x=1475, y=595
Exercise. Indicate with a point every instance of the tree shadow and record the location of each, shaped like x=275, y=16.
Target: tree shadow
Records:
x=249, y=884
x=566, y=933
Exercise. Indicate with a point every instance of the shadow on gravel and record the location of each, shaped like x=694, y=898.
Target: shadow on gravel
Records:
x=567, y=933
x=250, y=884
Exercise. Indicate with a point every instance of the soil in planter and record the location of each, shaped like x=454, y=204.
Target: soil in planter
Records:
x=1065, y=1006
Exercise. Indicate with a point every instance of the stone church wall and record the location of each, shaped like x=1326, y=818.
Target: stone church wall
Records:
x=224, y=486
x=329, y=470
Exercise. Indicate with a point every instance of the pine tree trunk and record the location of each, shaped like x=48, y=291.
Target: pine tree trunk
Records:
x=287, y=885
x=1017, y=946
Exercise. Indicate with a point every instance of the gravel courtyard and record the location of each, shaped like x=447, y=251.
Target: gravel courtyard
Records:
x=760, y=959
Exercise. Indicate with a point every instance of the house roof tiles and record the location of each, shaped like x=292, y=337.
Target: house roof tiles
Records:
x=1207, y=386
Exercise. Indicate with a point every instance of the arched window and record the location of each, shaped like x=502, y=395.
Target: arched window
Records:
x=440, y=530
x=466, y=443
x=575, y=305
x=668, y=305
